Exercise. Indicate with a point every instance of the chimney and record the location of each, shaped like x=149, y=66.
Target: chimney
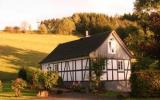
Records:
x=87, y=34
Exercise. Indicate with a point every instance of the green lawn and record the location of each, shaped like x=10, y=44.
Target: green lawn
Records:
x=8, y=93
x=26, y=50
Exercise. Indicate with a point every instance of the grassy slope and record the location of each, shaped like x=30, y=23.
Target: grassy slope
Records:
x=25, y=50
x=8, y=94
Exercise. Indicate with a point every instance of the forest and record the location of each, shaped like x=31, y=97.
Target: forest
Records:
x=140, y=30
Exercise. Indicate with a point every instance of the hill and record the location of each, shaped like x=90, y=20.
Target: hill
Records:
x=26, y=50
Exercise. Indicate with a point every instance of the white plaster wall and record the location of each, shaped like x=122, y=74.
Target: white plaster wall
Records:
x=109, y=74
x=86, y=77
x=115, y=75
x=78, y=75
x=44, y=67
x=121, y=76
x=78, y=64
x=109, y=64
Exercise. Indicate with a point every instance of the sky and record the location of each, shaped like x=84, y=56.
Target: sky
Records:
x=15, y=12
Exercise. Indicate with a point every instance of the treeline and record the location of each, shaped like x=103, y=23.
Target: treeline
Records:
x=78, y=23
x=23, y=28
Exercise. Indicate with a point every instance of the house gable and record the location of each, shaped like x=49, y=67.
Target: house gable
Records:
x=121, y=51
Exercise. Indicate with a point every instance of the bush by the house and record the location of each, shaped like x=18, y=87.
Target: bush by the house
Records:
x=18, y=85
x=45, y=80
x=77, y=87
x=145, y=83
x=60, y=82
x=22, y=74
x=1, y=85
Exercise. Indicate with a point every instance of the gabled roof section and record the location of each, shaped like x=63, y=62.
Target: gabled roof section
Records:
x=122, y=44
x=77, y=48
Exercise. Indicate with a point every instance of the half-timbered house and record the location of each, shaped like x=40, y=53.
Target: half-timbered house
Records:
x=72, y=60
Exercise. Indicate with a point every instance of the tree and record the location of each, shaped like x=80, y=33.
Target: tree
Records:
x=16, y=29
x=147, y=5
x=143, y=8
x=66, y=26
x=9, y=29
x=22, y=74
x=97, y=67
x=45, y=80
x=43, y=29
x=1, y=85
x=153, y=47
x=18, y=85
x=149, y=19
x=24, y=26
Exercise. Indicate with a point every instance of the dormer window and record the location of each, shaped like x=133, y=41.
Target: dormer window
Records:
x=112, y=46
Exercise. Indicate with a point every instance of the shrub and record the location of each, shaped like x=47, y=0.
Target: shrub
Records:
x=45, y=80
x=22, y=74
x=18, y=85
x=60, y=82
x=145, y=83
x=77, y=87
x=1, y=85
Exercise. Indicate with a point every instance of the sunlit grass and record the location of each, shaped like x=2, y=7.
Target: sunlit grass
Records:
x=8, y=94
x=26, y=50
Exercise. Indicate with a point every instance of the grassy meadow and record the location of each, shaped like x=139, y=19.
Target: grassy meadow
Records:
x=26, y=50
x=8, y=94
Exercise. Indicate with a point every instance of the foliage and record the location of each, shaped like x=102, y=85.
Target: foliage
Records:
x=145, y=83
x=8, y=29
x=45, y=80
x=22, y=74
x=18, y=85
x=80, y=22
x=17, y=29
x=42, y=29
x=154, y=23
x=65, y=26
x=77, y=87
x=60, y=82
x=149, y=19
x=14, y=29
x=8, y=93
x=97, y=67
x=130, y=17
x=1, y=85
x=147, y=5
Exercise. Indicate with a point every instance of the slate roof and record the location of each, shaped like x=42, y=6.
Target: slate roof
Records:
x=77, y=48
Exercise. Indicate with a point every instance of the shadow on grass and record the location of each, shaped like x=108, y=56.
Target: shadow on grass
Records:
x=19, y=58
x=5, y=76
x=1, y=95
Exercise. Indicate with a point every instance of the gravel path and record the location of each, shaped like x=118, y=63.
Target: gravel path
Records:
x=76, y=96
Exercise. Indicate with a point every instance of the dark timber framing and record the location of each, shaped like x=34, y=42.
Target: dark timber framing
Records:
x=68, y=69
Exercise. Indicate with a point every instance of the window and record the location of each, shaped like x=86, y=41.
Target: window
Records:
x=120, y=65
x=55, y=67
x=111, y=46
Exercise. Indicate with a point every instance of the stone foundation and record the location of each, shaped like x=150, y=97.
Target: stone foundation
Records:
x=122, y=86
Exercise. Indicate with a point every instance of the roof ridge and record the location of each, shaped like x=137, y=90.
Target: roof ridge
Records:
x=77, y=48
x=98, y=34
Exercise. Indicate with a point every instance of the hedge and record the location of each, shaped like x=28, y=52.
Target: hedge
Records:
x=145, y=83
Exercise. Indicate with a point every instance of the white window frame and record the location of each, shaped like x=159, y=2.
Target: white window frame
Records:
x=112, y=46
x=120, y=65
